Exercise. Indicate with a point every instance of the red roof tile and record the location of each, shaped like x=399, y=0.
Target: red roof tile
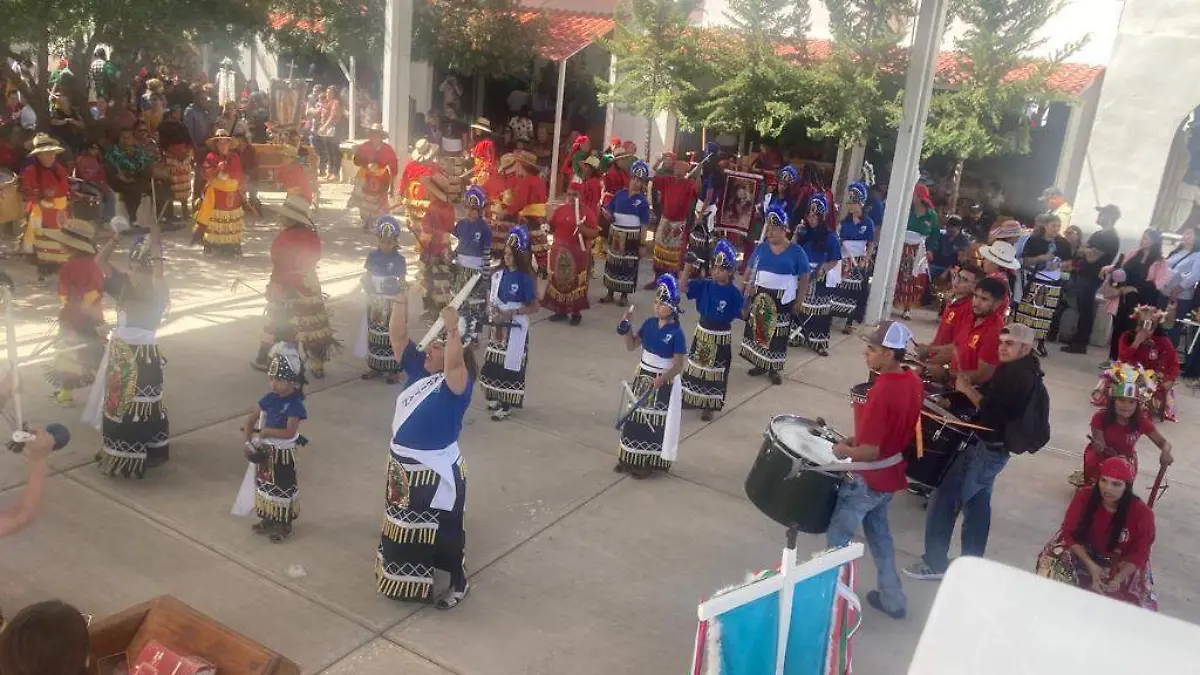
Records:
x=568, y=32
x=1068, y=78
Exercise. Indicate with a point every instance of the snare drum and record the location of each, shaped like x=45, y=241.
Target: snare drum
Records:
x=782, y=483
x=942, y=442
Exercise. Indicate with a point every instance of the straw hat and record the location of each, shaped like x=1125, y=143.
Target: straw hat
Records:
x=294, y=208
x=219, y=135
x=482, y=124
x=527, y=158
x=77, y=234
x=622, y=154
x=437, y=186
x=377, y=128
x=423, y=150
x=507, y=160
x=45, y=143
x=593, y=161
x=1001, y=253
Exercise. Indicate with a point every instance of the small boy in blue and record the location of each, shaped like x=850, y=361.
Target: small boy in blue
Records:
x=719, y=302
x=272, y=434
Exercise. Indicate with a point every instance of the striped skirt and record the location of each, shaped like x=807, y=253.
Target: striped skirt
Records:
x=135, y=426
x=499, y=383
x=276, y=487
x=814, y=320
x=621, y=263
x=849, y=300
x=909, y=287
x=669, y=245
x=1039, y=307
x=706, y=375
x=380, y=357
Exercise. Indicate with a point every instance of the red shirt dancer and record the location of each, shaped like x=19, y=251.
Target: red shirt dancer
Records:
x=528, y=204
x=45, y=186
x=883, y=428
x=574, y=227
x=377, y=170
x=483, y=152
x=436, y=227
x=679, y=194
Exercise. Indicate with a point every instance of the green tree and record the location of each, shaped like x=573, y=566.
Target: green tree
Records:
x=137, y=32
x=980, y=112
x=656, y=62
x=758, y=81
x=338, y=28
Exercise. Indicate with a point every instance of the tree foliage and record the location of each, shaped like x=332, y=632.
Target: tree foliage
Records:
x=657, y=61
x=758, y=81
x=854, y=92
x=981, y=113
x=339, y=28
x=477, y=37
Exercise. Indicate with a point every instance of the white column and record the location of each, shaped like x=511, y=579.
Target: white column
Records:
x=558, y=115
x=918, y=88
x=352, y=77
x=610, y=111
x=1062, y=176
x=397, y=61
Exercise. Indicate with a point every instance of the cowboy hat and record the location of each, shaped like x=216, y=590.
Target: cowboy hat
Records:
x=77, y=234
x=377, y=128
x=482, y=124
x=423, y=150
x=507, y=160
x=294, y=208
x=45, y=143
x=526, y=157
x=593, y=161
x=437, y=186
x=1001, y=253
x=219, y=135
x=621, y=153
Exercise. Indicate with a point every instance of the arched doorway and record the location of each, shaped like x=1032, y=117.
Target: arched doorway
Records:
x=1178, y=204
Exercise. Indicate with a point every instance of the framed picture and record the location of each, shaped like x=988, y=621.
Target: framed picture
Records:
x=742, y=192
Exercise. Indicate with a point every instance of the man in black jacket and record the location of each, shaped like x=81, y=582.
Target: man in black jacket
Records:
x=967, y=486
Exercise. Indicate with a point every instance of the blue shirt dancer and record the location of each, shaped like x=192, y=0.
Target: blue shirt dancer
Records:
x=824, y=252
x=383, y=278
x=857, y=235
x=775, y=284
x=630, y=215
x=426, y=485
x=474, y=248
x=650, y=437
x=719, y=302
x=513, y=299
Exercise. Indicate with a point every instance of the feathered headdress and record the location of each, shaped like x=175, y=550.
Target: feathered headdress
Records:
x=857, y=192
x=1126, y=380
x=724, y=254
x=387, y=227
x=787, y=175
x=1148, y=313
x=475, y=197
x=777, y=215
x=667, y=291
x=819, y=203
x=640, y=169
x=285, y=364
x=518, y=238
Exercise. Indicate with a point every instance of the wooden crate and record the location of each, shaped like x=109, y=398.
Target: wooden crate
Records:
x=186, y=631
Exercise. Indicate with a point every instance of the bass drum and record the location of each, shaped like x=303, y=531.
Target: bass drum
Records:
x=782, y=483
x=942, y=443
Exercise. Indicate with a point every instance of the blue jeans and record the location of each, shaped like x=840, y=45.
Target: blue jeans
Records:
x=967, y=488
x=108, y=206
x=857, y=503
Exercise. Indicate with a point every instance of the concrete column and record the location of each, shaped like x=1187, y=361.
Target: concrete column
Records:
x=1062, y=175
x=558, y=120
x=610, y=110
x=352, y=78
x=397, y=62
x=918, y=88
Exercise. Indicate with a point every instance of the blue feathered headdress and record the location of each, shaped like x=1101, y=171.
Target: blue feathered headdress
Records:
x=387, y=227
x=724, y=254
x=518, y=238
x=777, y=215
x=667, y=291
x=819, y=202
x=640, y=169
x=857, y=192
x=787, y=175
x=475, y=197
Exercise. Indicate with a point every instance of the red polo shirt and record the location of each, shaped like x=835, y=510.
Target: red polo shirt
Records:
x=977, y=342
x=953, y=313
x=889, y=420
x=677, y=195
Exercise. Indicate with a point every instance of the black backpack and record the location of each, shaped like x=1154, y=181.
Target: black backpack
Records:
x=1030, y=432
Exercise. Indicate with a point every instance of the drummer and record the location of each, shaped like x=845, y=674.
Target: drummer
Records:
x=883, y=428
x=975, y=349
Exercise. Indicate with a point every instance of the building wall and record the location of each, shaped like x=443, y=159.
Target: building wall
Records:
x=1146, y=94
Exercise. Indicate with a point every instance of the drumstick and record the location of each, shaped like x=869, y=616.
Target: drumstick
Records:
x=920, y=438
x=456, y=302
x=10, y=328
x=953, y=421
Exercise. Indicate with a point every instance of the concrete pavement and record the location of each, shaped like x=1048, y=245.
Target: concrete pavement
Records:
x=575, y=569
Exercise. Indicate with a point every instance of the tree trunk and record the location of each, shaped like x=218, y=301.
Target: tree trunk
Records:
x=649, y=137
x=955, y=183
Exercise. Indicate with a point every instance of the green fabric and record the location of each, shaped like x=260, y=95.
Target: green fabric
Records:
x=130, y=163
x=577, y=161
x=926, y=225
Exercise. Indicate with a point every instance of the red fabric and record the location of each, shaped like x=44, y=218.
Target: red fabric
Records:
x=590, y=192
x=1136, y=539
x=889, y=420
x=77, y=278
x=383, y=155
x=976, y=344
x=1157, y=354
x=231, y=164
x=677, y=196
x=956, y=311
x=615, y=180
x=436, y=227
x=39, y=182
x=526, y=190
x=562, y=225
x=1116, y=468
x=1120, y=438
x=294, y=256
x=921, y=194
x=294, y=180
x=495, y=187
x=484, y=153
x=90, y=169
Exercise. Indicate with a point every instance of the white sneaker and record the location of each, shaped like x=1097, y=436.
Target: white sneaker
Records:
x=493, y=405
x=501, y=414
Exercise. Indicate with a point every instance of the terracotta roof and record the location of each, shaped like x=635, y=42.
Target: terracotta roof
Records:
x=568, y=32
x=1068, y=78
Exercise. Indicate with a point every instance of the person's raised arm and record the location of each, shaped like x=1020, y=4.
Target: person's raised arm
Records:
x=457, y=377
x=103, y=255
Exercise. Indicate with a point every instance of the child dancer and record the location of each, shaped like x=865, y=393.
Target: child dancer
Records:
x=384, y=276
x=473, y=252
x=513, y=297
x=1116, y=430
x=272, y=435
x=719, y=302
